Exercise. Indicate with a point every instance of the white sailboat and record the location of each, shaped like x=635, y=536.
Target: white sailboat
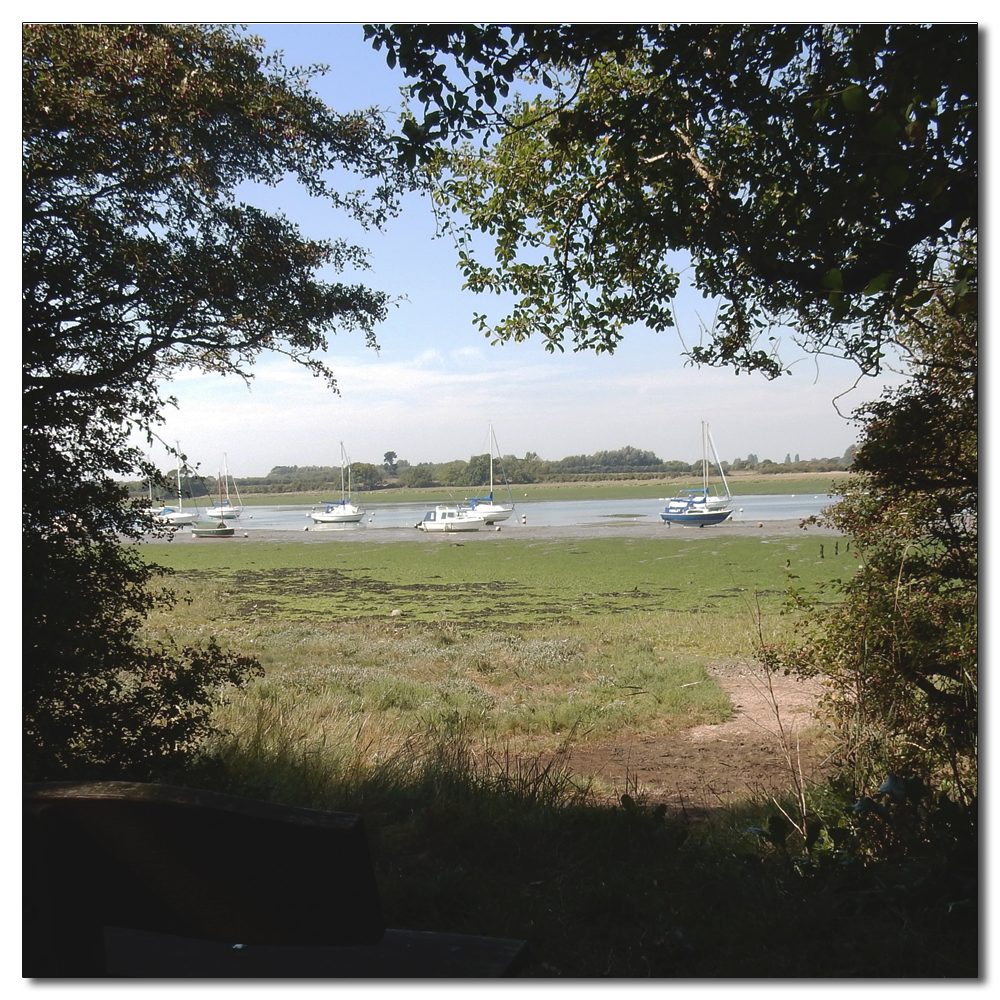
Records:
x=485, y=506
x=224, y=506
x=176, y=515
x=700, y=507
x=216, y=527
x=344, y=510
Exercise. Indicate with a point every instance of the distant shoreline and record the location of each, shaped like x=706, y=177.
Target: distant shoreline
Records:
x=625, y=489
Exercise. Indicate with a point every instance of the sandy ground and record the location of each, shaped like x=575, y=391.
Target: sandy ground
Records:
x=772, y=731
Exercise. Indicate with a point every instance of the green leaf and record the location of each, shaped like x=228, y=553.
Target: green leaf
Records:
x=856, y=99
x=879, y=283
x=833, y=280
x=920, y=298
x=885, y=129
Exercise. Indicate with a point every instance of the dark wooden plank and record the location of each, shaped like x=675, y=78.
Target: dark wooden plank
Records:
x=188, y=863
x=180, y=874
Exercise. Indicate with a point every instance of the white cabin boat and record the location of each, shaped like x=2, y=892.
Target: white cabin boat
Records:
x=447, y=518
x=489, y=511
x=175, y=515
x=338, y=512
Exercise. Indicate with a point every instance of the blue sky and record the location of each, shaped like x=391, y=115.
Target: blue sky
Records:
x=436, y=383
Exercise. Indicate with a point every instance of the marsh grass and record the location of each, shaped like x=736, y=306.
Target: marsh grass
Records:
x=533, y=642
x=471, y=836
x=438, y=722
x=536, y=686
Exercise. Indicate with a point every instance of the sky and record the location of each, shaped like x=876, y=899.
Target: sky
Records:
x=431, y=391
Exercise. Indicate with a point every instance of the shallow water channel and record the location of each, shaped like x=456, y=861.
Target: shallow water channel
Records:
x=537, y=513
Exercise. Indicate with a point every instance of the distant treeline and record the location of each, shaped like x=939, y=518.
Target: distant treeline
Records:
x=625, y=463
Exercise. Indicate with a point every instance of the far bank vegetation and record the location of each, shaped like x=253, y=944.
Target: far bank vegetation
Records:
x=626, y=463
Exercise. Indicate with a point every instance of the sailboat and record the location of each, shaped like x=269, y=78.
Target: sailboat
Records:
x=224, y=506
x=216, y=527
x=342, y=511
x=700, y=507
x=485, y=507
x=176, y=515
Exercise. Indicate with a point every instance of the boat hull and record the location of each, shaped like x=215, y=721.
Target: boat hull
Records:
x=698, y=519
x=228, y=513
x=339, y=513
x=454, y=526
x=176, y=519
x=491, y=513
x=212, y=530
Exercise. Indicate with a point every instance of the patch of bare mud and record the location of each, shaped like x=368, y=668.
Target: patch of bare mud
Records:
x=698, y=769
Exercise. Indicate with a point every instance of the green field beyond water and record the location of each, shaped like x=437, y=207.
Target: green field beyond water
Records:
x=776, y=485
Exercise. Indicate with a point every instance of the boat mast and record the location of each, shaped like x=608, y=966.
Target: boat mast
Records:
x=718, y=464
x=236, y=489
x=503, y=472
x=704, y=457
x=180, y=495
x=492, y=443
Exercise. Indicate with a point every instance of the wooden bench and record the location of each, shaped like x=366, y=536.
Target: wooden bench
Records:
x=141, y=881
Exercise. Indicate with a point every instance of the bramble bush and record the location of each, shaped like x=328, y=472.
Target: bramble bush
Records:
x=897, y=641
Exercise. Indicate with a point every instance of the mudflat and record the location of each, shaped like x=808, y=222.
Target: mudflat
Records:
x=618, y=528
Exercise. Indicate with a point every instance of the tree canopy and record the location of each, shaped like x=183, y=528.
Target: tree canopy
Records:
x=814, y=173
x=140, y=258
x=821, y=177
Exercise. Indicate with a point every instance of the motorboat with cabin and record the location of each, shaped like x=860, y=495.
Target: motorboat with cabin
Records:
x=451, y=518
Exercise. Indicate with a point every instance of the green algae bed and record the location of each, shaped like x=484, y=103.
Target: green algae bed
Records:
x=494, y=580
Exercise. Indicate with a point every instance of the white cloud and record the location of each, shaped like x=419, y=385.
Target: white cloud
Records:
x=435, y=406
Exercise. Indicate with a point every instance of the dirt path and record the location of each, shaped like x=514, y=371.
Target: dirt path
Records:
x=702, y=768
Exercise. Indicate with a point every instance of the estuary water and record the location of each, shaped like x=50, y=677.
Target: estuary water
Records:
x=535, y=513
